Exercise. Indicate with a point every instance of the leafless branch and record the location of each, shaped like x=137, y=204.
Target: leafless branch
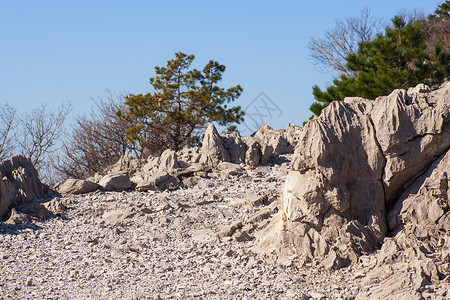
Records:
x=330, y=51
x=7, y=141
x=98, y=140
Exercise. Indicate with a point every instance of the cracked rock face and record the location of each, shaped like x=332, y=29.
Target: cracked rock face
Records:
x=19, y=183
x=350, y=165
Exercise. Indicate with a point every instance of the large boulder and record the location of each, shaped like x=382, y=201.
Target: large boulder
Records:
x=417, y=254
x=78, y=186
x=423, y=209
x=155, y=181
x=350, y=165
x=19, y=183
x=126, y=163
x=116, y=182
x=276, y=139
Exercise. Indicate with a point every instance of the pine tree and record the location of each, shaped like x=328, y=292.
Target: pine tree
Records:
x=395, y=59
x=184, y=102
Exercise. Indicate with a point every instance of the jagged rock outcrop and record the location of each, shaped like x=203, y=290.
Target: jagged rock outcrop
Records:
x=171, y=168
x=213, y=149
x=418, y=252
x=20, y=183
x=252, y=151
x=350, y=165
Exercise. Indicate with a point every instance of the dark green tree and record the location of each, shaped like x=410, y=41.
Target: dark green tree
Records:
x=184, y=102
x=396, y=59
x=442, y=12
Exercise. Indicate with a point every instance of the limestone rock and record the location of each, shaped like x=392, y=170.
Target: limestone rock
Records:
x=426, y=201
x=254, y=155
x=213, y=150
x=168, y=161
x=78, y=186
x=116, y=182
x=17, y=217
x=276, y=139
x=254, y=151
x=55, y=206
x=416, y=129
x=354, y=161
x=19, y=183
x=235, y=146
x=126, y=163
x=227, y=168
x=156, y=181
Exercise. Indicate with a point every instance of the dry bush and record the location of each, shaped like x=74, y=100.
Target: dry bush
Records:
x=7, y=124
x=98, y=140
x=39, y=137
x=329, y=52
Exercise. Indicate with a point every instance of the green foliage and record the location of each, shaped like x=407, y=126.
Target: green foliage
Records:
x=184, y=102
x=231, y=129
x=442, y=12
x=395, y=59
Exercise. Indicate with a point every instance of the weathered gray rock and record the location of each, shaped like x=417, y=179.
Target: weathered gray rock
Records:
x=18, y=217
x=188, y=156
x=254, y=151
x=426, y=201
x=213, y=150
x=415, y=130
x=254, y=155
x=116, y=182
x=126, y=163
x=352, y=162
x=55, y=206
x=19, y=183
x=235, y=146
x=227, y=168
x=156, y=181
x=168, y=161
x=276, y=139
x=78, y=186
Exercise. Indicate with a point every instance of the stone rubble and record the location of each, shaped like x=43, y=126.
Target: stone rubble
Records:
x=160, y=245
x=19, y=183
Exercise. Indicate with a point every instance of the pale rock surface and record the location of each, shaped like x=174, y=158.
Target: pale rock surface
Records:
x=116, y=182
x=235, y=147
x=227, y=168
x=126, y=164
x=19, y=183
x=367, y=189
x=349, y=165
x=253, y=151
x=155, y=181
x=159, y=245
x=77, y=186
x=213, y=150
x=168, y=161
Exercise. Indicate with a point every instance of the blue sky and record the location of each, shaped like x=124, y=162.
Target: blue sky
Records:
x=55, y=51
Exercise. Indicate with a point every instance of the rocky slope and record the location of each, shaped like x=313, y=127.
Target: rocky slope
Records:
x=182, y=244
x=360, y=210
x=354, y=171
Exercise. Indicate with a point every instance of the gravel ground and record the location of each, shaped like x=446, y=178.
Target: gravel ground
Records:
x=157, y=245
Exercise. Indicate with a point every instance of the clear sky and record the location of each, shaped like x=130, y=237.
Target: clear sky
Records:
x=61, y=50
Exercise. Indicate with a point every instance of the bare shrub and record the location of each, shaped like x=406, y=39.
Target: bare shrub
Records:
x=329, y=52
x=7, y=125
x=39, y=135
x=98, y=140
